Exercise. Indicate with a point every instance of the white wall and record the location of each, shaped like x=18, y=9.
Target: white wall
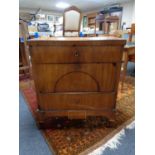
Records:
x=133, y=15
x=128, y=13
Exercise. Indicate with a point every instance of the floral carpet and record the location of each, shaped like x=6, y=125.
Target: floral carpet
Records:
x=68, y=137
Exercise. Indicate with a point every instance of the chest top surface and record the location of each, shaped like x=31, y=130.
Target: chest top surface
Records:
x=77, y=41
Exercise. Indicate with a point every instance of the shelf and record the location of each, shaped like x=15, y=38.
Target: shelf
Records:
x=92, y=17
x=91, y=23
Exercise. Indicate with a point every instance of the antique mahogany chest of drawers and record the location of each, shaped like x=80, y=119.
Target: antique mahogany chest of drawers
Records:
x=76, y=77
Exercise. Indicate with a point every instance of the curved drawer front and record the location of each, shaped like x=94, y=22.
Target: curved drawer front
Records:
x=76, y=101
x=71, y=54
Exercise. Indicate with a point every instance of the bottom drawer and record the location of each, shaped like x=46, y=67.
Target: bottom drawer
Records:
x=76, y=101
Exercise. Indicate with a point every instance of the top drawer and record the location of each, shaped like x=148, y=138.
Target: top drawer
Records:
x=75, y=54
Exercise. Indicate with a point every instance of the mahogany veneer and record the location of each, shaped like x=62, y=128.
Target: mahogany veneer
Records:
x=76, y=77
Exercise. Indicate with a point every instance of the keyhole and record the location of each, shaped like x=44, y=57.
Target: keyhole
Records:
x=76, y=54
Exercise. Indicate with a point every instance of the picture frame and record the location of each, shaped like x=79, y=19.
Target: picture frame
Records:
x=56, y=19
x=50, y=18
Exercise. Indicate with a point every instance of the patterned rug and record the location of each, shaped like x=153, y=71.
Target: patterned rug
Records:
x=79, y=136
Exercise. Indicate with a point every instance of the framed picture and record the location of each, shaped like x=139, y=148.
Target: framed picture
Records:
x=85, y=21
x=40, y=17
x=50, y=18
x=56, y=19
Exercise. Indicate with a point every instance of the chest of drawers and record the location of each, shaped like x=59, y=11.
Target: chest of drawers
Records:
x=76, y=77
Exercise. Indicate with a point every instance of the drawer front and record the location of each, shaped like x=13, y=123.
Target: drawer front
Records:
x=70, y=54
x=53, y=78
x=76, y=101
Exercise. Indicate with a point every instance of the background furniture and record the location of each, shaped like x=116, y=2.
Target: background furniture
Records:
x=132, y=32
x=24, y=62
x=129, y=55
x=72, y=21
x=129, y=51
x=91, y=24
x=76, y=77
x=107, y=21
x=91, y=20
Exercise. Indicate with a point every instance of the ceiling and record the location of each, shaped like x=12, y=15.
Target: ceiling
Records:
x=83, y=5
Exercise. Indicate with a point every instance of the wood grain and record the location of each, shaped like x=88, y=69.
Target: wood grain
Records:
x=76, y=77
